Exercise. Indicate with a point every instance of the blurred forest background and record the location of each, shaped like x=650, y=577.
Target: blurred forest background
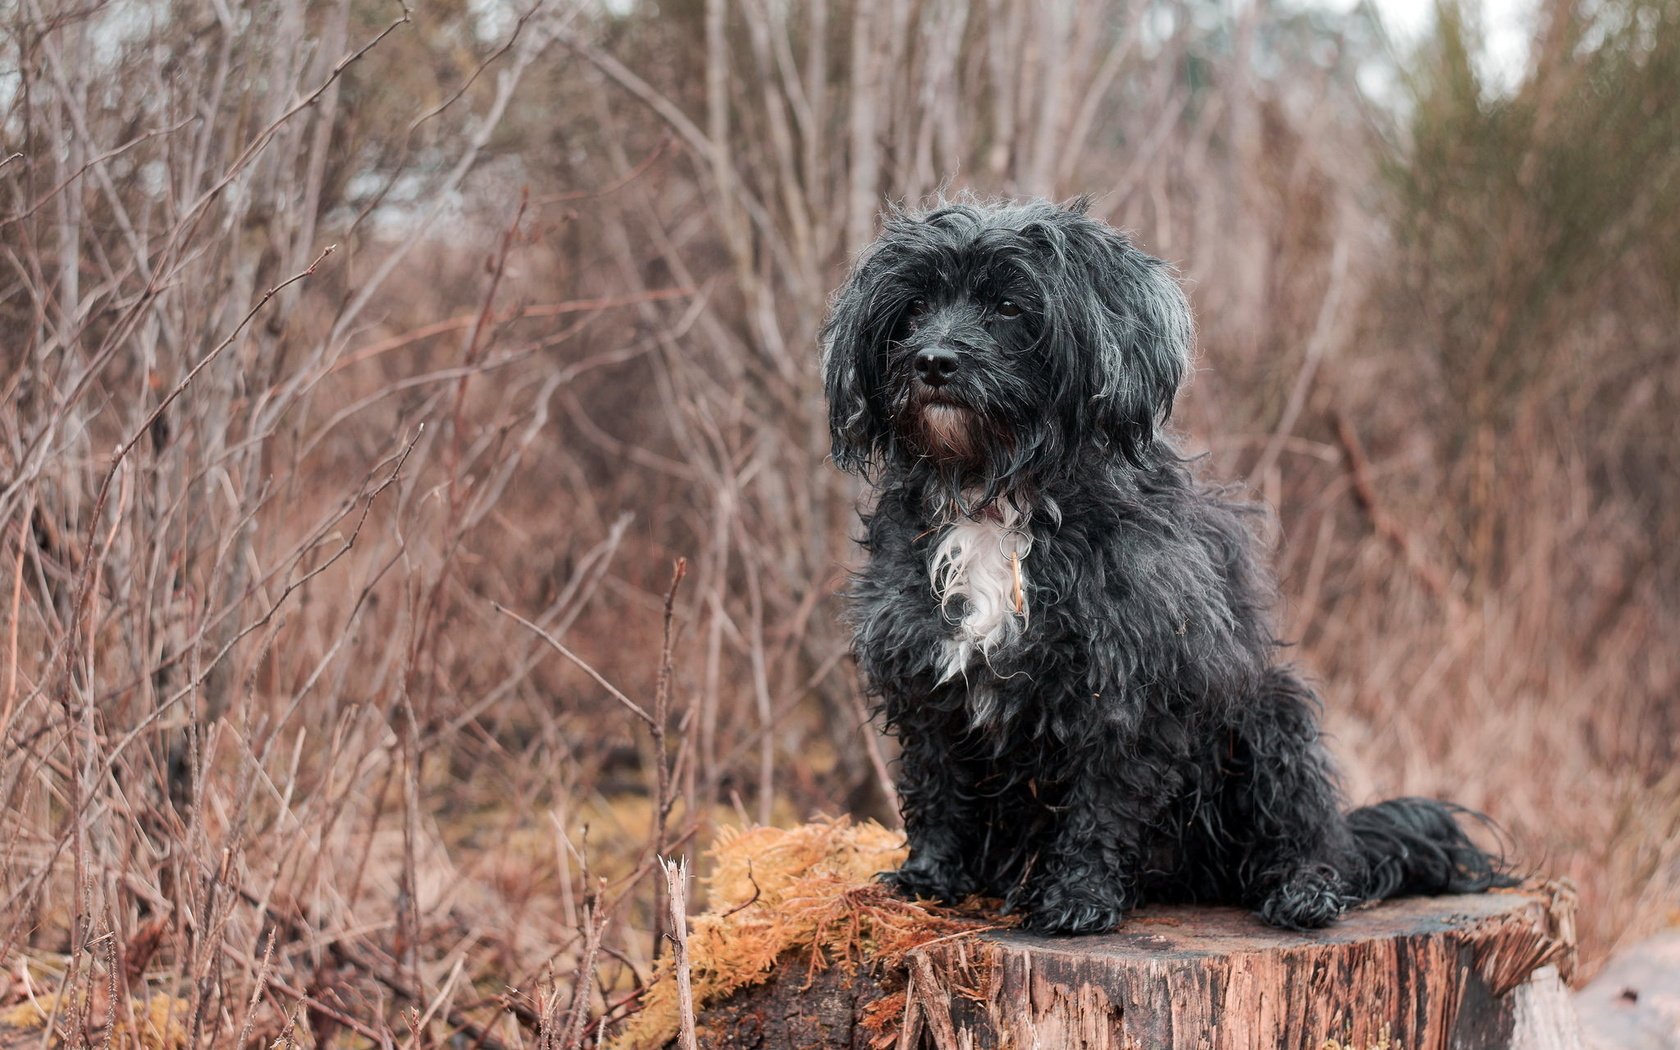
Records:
x=331, y=330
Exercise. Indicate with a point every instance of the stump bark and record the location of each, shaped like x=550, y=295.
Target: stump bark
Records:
x=1446, y=973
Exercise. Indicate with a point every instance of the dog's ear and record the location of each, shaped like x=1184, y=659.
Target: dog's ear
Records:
x=848, y=405
x=852, y=346
x=1136, y=334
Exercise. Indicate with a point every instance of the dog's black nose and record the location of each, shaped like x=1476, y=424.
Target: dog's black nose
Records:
x=935, y=365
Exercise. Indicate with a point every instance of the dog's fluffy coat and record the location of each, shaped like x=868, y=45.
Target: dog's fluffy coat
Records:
x=1068, y=634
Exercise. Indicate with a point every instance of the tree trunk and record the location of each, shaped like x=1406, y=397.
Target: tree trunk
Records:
x=1445, y=973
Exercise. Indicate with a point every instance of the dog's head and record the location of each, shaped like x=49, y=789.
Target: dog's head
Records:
x=996, y=344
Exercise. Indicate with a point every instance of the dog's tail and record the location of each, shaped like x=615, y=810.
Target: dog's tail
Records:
x=1417, y=846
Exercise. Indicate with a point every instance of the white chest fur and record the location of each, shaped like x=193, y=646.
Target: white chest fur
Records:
x=983, y=562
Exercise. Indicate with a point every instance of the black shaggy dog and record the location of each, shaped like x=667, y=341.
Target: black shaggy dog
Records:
x=1070, y=636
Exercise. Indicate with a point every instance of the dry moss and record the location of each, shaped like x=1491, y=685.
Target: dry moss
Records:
x=808, y=889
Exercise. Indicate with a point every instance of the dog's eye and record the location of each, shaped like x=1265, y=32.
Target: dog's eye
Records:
x=1009, y=308
x=917, y=308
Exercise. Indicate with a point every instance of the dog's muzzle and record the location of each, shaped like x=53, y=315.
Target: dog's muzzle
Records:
x=945, y=428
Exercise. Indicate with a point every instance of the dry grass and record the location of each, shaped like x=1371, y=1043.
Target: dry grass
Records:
x=155, y=1024
x=270, y=749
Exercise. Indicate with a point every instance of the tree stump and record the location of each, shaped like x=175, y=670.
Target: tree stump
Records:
x=1444, y=973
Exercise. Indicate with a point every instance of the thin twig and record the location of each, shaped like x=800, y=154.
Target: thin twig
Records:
x=611, y=188
x=663, y=795
x=758, y=891
x=554, y=643
x=595, y=918
x=460, y=321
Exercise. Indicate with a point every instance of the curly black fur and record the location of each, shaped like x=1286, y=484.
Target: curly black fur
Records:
x=1092, y=715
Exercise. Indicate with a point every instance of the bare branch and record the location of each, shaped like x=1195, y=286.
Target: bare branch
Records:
x=579, y=662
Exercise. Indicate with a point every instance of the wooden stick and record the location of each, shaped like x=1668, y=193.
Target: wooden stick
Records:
x=676, y=886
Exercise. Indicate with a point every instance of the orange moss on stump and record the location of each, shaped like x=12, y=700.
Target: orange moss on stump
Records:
x=808, y=889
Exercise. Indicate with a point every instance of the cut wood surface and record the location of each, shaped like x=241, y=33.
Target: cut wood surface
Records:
x=1448, y=973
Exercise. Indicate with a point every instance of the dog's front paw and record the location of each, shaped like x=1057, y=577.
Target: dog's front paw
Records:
x=920, y=879
x=1309, y=898
x=1070, y=910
